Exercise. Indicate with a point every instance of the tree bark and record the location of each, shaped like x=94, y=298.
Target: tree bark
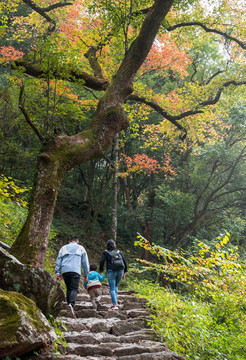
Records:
x=31, y=244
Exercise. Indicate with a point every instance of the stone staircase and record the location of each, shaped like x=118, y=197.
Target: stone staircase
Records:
x=106, y=334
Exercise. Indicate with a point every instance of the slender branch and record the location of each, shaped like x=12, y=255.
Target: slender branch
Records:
x=214, y=168
x=87, y=89
x=227, y=193
x=110, y=162
x=217, y=96
x=83, y=178
x=213, y=76
x=27, y=118
x=159, y=109
x=195, y=71
x=223, y=184
x=216, y=31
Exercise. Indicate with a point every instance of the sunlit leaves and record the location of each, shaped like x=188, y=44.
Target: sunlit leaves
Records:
x=13, y=209
x=8, y=189
x=205, y=272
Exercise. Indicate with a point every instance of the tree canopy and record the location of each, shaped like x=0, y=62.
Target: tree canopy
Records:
x=163, y=74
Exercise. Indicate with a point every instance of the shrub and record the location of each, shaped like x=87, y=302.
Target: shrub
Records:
x=206, y=317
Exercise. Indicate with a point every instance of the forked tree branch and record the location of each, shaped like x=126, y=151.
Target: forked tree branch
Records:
x=215, y=31
x=174, y=118
x=43, y=11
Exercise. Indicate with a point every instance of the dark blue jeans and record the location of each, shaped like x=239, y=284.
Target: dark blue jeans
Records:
x=72, y=284
x=114, y=278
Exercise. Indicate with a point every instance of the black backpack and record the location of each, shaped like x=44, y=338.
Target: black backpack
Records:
x=116, y=260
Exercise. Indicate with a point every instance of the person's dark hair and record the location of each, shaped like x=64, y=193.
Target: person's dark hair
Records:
x=73, y=238
x=93, y=267
x=111, y=245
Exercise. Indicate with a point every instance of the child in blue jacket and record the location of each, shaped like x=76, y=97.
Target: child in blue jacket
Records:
x=93, y=285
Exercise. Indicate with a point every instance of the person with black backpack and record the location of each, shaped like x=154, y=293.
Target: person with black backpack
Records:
x=116, y=268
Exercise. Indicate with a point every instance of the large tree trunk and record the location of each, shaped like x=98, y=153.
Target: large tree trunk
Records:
x=31, y=244
x=65, y=152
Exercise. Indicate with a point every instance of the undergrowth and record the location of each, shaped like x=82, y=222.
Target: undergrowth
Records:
x=200, y=309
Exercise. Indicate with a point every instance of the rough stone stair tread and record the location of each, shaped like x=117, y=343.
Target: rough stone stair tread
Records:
x=86, y=337
x=163, y=355
x=113, y=349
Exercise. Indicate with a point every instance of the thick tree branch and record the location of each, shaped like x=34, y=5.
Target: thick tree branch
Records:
x=42, y=11
x=174, y=118
x=132, y=15
x=139, y=49
x=159, y=109
x=91, y=53
x=216, y=31
x=27, y=117
x=56, y=6
x=89, y=80
x=91, y=56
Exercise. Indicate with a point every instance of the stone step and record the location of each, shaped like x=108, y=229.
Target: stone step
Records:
x=84, y=297
x=128, y=310
x=112, y=325
x=141, y=348
x=137, y=313
x=90, y=349
x=163, y=355
x=133, y=305
x=93, y=324
x=86, y=337
x=105, y=313
x=114, y=349
x=73, y=357
x=70, y=357
x=126, y=326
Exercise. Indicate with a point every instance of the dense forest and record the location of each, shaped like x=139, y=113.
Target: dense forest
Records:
x=126, y=120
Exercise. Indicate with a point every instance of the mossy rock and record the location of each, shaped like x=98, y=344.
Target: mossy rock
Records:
x=23, y=327
x=34, y=283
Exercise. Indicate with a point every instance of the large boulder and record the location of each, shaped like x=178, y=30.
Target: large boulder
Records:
x=35, y=283
x=23, y=327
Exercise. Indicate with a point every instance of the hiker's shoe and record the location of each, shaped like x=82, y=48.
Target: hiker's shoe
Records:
x=114, y=307
x=71, y=311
